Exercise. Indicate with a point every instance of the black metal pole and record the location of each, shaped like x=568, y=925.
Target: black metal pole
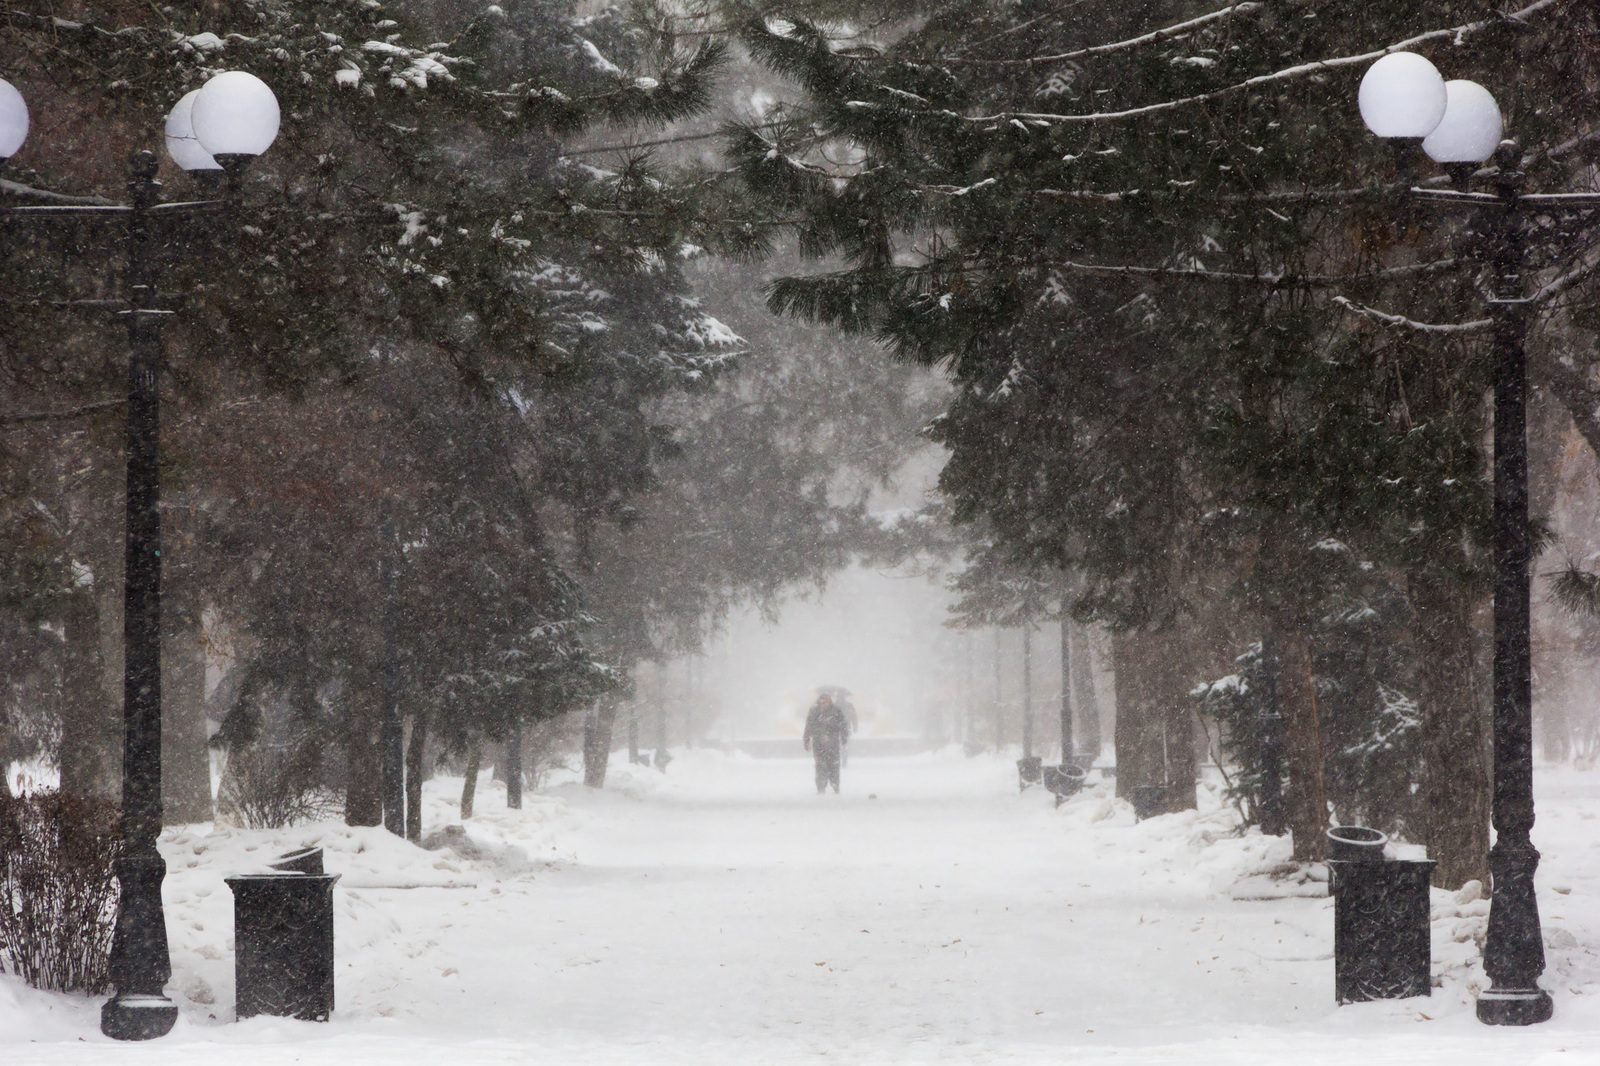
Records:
x=141, y=964
x=1513, y=955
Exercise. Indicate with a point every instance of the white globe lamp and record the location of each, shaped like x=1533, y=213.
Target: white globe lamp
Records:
x=182, y=145
x=235, y=118
x=13, y=120
x=1471, y=128
x=1402, y=95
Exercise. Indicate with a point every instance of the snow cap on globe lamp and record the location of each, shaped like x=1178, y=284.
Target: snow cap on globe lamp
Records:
x=182, y=145
x=13, y=120
x=1402, y=95
x=235, y=114
x=1470, y=130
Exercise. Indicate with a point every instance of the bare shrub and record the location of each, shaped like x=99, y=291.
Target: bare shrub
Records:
x=58, y=890
x=270, y=787
x=551, y=744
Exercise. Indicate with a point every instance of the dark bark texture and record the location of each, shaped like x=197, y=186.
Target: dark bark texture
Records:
x=597, y=743
x=1154, y=733
x=363, y=752
x=185, y=761
x=91, y=726
x=415, y=749
x=1308, y=796
x=1456, y=781
x=469, y=786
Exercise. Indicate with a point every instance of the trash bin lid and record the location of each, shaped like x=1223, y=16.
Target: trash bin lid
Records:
x=303, y=861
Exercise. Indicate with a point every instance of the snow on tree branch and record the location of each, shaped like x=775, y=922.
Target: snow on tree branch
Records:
x=1115, y=46
x=1566, y=281
x=1279, y=280
x=1287, y=73
x=1477, y=325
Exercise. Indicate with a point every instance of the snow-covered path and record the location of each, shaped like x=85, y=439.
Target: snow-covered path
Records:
x=724, y=913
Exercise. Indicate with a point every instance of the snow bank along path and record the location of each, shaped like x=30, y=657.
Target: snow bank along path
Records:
x=724, y=913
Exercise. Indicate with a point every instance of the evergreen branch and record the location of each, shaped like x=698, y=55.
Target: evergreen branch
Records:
x=1474, y=326
x=1287, y=73
x=1568, y=385
x=1576, y=590
x=1019, y=27
x=1308, y=196
x=58, y=416
x=1569, y=146
x=49, y=22
x=683, y=139
x=1116, y=46
x=1566, y=281
x=1284, y=280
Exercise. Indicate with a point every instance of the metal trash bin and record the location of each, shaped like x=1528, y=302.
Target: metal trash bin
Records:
x=283, y=939
x=1148, y=801
x=1381, y=928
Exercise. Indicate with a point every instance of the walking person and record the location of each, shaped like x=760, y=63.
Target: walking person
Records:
x=827, y=731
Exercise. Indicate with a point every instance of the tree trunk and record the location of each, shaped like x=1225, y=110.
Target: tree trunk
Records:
x=1066, y=691
x=363, y=755
x=514, y=764
x=414, y=776
x=185, y=759
x=597, y=743
x=1154, y=731
x=1456, y=782
x=91, y=727
x=633, y=731
x=688, y=702
x=1138, y=732
x=999, y=707
x=1297, y=694
x=1027, y=690
x=1084, y=694
x=469, y=787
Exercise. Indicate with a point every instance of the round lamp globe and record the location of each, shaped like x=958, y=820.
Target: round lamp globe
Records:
x=13, y=120
x=182, y=145
x=1471, y=128
x=235, y=113
x=1402, y=95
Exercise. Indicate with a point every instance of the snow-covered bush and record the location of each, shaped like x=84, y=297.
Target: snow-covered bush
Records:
x=1371, y=729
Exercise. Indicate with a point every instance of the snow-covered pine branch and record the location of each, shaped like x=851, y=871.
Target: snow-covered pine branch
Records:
x=1299, y=70
x=1566, y=281
x=1115, y=46
x=1283, y=280
x=1475, y=326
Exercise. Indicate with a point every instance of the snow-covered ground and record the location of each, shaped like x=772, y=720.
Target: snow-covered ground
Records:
x=723, y=913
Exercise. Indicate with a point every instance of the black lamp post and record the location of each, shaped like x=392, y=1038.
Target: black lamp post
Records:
x=1404, y=98
x=217, y=129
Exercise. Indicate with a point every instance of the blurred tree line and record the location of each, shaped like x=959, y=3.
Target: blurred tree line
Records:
x=455, y=437
x=451, y=439
x=1199, y=393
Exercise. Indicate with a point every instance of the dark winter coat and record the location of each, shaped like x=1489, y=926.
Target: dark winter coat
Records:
x=826, y=728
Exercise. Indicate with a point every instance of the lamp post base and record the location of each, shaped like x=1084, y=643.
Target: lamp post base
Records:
x=137, y=1017
x=1514, y=1006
